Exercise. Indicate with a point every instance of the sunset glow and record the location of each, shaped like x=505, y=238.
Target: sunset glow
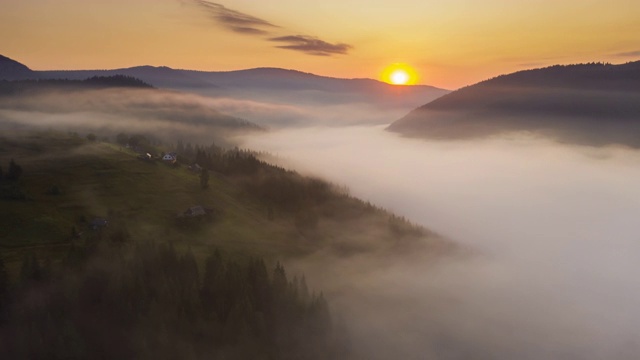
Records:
x=442, y=180
x=399, y=74
x=458, y=43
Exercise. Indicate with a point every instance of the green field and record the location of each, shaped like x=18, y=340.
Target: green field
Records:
x=68, y=181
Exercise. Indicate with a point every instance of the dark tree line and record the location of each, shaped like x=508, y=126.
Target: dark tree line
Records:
x=14, y=172
x=155, y=302
x=20, y=87
x=274, y=186
x=224, y=161
x=9, y=185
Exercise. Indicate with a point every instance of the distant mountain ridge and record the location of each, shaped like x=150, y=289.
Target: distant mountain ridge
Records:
x=595, y=104
x=275, y=97
x=163, y=76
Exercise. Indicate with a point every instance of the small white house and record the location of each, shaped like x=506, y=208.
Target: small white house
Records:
x=169, y=158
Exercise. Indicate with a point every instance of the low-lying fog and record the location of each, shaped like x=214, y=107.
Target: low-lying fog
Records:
x=556, y=226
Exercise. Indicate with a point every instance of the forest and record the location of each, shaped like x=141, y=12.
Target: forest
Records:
x=148, y=300
x=128, y=282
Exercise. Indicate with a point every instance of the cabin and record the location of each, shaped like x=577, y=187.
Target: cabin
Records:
x=195, y=212
x=98, y=223
x=168, y=158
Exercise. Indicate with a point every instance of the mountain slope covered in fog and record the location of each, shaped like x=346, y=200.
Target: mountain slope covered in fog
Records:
x=130, y=249
x=112, y=104
x=595, y=104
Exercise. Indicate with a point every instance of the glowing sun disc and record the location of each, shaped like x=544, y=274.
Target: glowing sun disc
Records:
x=399, y=74
x=399, y=77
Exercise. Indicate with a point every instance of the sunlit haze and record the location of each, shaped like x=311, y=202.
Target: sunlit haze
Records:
x=557, y=224
x=286, y=179
x=451, y=44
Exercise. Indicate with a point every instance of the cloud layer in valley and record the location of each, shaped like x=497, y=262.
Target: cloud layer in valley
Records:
x=554, y=228
x=167, y=115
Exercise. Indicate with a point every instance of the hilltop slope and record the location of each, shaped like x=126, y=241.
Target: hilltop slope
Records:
x=13, y=70
x=595, y=104
x=257, y=207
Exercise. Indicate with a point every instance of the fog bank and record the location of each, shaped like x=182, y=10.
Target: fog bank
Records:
x=555, y=226
x=167, y=115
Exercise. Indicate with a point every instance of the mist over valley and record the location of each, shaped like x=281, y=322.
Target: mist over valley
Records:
x=478, y=235
x=552, y=227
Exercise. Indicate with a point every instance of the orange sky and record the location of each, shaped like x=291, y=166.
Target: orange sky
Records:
x=450, y=43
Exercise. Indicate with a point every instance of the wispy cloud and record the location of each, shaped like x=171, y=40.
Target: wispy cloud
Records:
x=311, y=45
x=629, y=54
x=235, y=20
x=246, y=24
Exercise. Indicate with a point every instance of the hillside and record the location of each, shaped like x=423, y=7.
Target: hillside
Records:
x=127, y=251
x=595, y=104
x=13, y=70
x=254, y=211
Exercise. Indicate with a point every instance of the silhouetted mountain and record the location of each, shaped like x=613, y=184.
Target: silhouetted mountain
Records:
x=595, y=104
x=279, y=97
x=295, y=80
x=251, y=83
x=157, y=76
x=13, y=70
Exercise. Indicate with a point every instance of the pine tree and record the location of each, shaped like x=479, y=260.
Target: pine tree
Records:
x=122, y=139
x=31, y=269
x=204, y=178
x=14, y=171
x=4, y=290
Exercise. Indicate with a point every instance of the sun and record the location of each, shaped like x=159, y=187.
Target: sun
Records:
x=399, y=74
x=399, y=77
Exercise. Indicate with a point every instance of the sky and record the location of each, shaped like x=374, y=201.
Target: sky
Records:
x=450, y=44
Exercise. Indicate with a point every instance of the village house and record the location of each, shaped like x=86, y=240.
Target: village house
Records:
x=98, y=223
x=195, y=212
x=170, y=158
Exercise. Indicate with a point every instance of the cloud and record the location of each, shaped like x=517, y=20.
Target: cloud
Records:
x=237, y=21
x=311, y=45
x=246, y=24
x=629, y=54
